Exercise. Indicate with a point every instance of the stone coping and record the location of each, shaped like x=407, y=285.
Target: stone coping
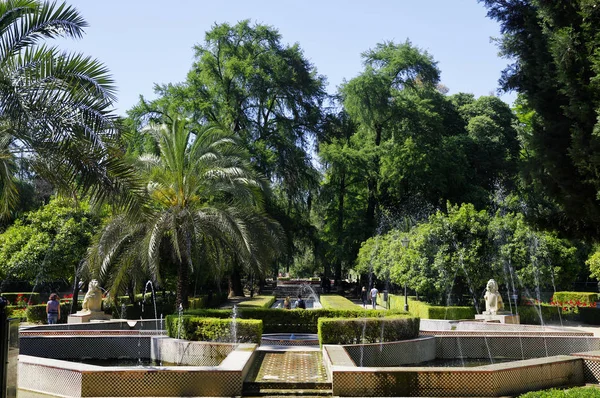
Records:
x=524, y=333
x=338, y=359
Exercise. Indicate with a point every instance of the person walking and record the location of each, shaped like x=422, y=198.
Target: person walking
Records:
x=363, y=297
x=374, y=293
x=53, y=309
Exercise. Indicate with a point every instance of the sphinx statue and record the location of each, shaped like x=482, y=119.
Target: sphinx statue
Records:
x=91, y=308
x=92, y=302
x=493, y=299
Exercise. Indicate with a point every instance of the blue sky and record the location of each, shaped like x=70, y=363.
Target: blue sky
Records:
x=144, y=42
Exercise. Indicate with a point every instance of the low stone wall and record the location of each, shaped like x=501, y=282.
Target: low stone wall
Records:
x=52, y=377
x=540, y=362
x=485, y=381
x=189, y=353
x=393, y=354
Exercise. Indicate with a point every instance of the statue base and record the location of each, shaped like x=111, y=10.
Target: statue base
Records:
x=83, y=317
x=499, y=317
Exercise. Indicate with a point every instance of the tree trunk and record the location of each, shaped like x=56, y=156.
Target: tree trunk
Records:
x=182, y=285
x=372, y=183
x=340, y=228
x=235, y=284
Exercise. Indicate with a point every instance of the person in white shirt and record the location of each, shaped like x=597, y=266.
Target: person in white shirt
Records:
x=374, y=293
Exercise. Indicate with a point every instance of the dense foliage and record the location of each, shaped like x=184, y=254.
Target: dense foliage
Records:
x=48, y=244
x=444, y=257
x=553, y=46
x=248, y=168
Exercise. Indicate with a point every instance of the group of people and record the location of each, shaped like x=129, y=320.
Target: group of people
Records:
x=372, y=295
x=300, y=303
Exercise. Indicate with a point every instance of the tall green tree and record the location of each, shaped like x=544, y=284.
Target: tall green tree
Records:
x=376, y=100
x=270, y=96
x=204, y=204
x=55, y=106
x=556, y=69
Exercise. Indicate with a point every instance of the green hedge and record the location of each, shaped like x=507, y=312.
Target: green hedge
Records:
x=37, y=314
x=369, y=330
x=530, y=314
x=204, y=301
x=577, y=299
x=134, y=311
x=195, y=328
x=590, y=315
x=427, y=311
x=337, y=302
x=576, y=392
x=258, y=302
x=290, y=321
x=32, y=298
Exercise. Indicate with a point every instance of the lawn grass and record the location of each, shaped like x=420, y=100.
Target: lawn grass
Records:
x=260, y=301
x=337, y=302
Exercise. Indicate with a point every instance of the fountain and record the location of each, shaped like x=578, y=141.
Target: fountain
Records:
x=92, y=306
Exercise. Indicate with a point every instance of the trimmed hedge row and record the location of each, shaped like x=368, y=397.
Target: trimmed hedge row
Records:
x=337, y=302
x=196, y=328
x=585, y=299
x=206, y=301
x=427, y=311
x=576, y=392
x=290, y=321
x=530, y=314
x=369, y=330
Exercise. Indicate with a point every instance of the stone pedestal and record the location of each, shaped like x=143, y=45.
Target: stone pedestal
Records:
x=500, y=318
x=82, y=317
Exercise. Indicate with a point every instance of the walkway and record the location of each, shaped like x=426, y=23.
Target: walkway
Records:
x=287, y=371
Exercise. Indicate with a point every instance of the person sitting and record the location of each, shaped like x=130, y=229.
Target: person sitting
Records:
x=287, y=303
x=300, y=303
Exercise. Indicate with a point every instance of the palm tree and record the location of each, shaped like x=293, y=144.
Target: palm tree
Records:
x=203, y=202
x=55, y=107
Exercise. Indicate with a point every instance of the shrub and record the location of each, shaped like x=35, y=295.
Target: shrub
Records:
x=368, y=330
x=576, y=392
x=13, y=311
x=258, y=302
x=590, y=315
x=290, y=321
x=22, y=299
x=195, y=328
x=574, y=299
x=37, y=314
x=337, y=302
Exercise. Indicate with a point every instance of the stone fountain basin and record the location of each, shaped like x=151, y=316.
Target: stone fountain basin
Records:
x=205, y=369
x=385, y=369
